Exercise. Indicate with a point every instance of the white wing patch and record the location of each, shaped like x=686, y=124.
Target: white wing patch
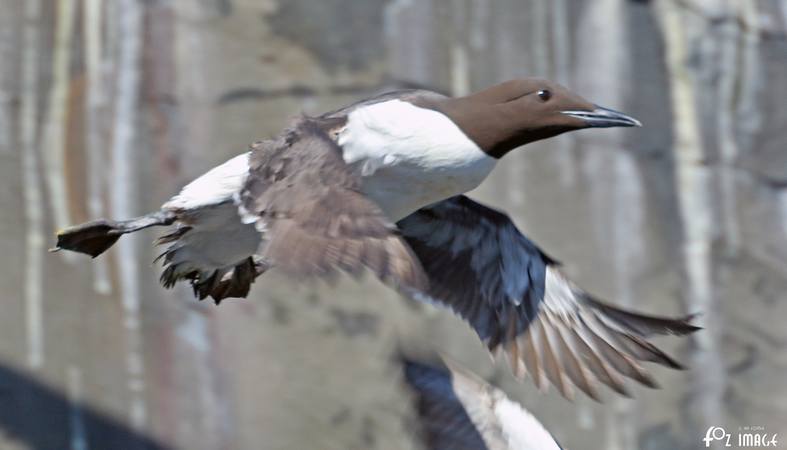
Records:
x=559, y=293
x=218, y=185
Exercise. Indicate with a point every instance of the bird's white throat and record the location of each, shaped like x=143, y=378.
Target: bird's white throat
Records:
x=411, y=157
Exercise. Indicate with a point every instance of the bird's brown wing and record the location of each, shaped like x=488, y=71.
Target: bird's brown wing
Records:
x=314, y=220
x=518, y=301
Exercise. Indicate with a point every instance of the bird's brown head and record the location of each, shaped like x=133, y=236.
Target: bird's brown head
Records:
x=517, y=112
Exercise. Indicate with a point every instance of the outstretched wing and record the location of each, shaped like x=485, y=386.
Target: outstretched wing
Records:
x=517, y=300
x=314, y=219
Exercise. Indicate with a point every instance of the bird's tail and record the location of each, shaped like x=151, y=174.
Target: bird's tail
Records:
x=95, y=237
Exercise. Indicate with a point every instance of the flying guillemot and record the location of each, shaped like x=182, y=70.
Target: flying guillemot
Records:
x=378, y=185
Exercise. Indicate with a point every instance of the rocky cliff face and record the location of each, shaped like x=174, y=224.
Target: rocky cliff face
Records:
x=109, y=107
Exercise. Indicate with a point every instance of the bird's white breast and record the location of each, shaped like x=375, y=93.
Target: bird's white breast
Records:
x=411, y=157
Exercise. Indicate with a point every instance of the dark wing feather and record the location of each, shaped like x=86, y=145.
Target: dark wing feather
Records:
x=515, y=297
x=307, y=204
x=454, y=412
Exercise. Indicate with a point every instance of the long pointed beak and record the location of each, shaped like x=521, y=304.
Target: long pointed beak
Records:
x=604, y=118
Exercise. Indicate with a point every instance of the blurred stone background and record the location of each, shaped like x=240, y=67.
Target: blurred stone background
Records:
x=108, y=107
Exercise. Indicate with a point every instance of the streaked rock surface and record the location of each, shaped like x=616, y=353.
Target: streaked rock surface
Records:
x=674, y=217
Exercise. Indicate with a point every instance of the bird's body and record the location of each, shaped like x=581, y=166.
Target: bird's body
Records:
x=406, y=157
x=377, y=185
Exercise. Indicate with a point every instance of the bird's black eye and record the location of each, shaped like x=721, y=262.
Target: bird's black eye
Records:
x=544, y=95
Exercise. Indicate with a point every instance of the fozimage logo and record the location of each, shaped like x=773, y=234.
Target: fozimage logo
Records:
x=748, y=436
